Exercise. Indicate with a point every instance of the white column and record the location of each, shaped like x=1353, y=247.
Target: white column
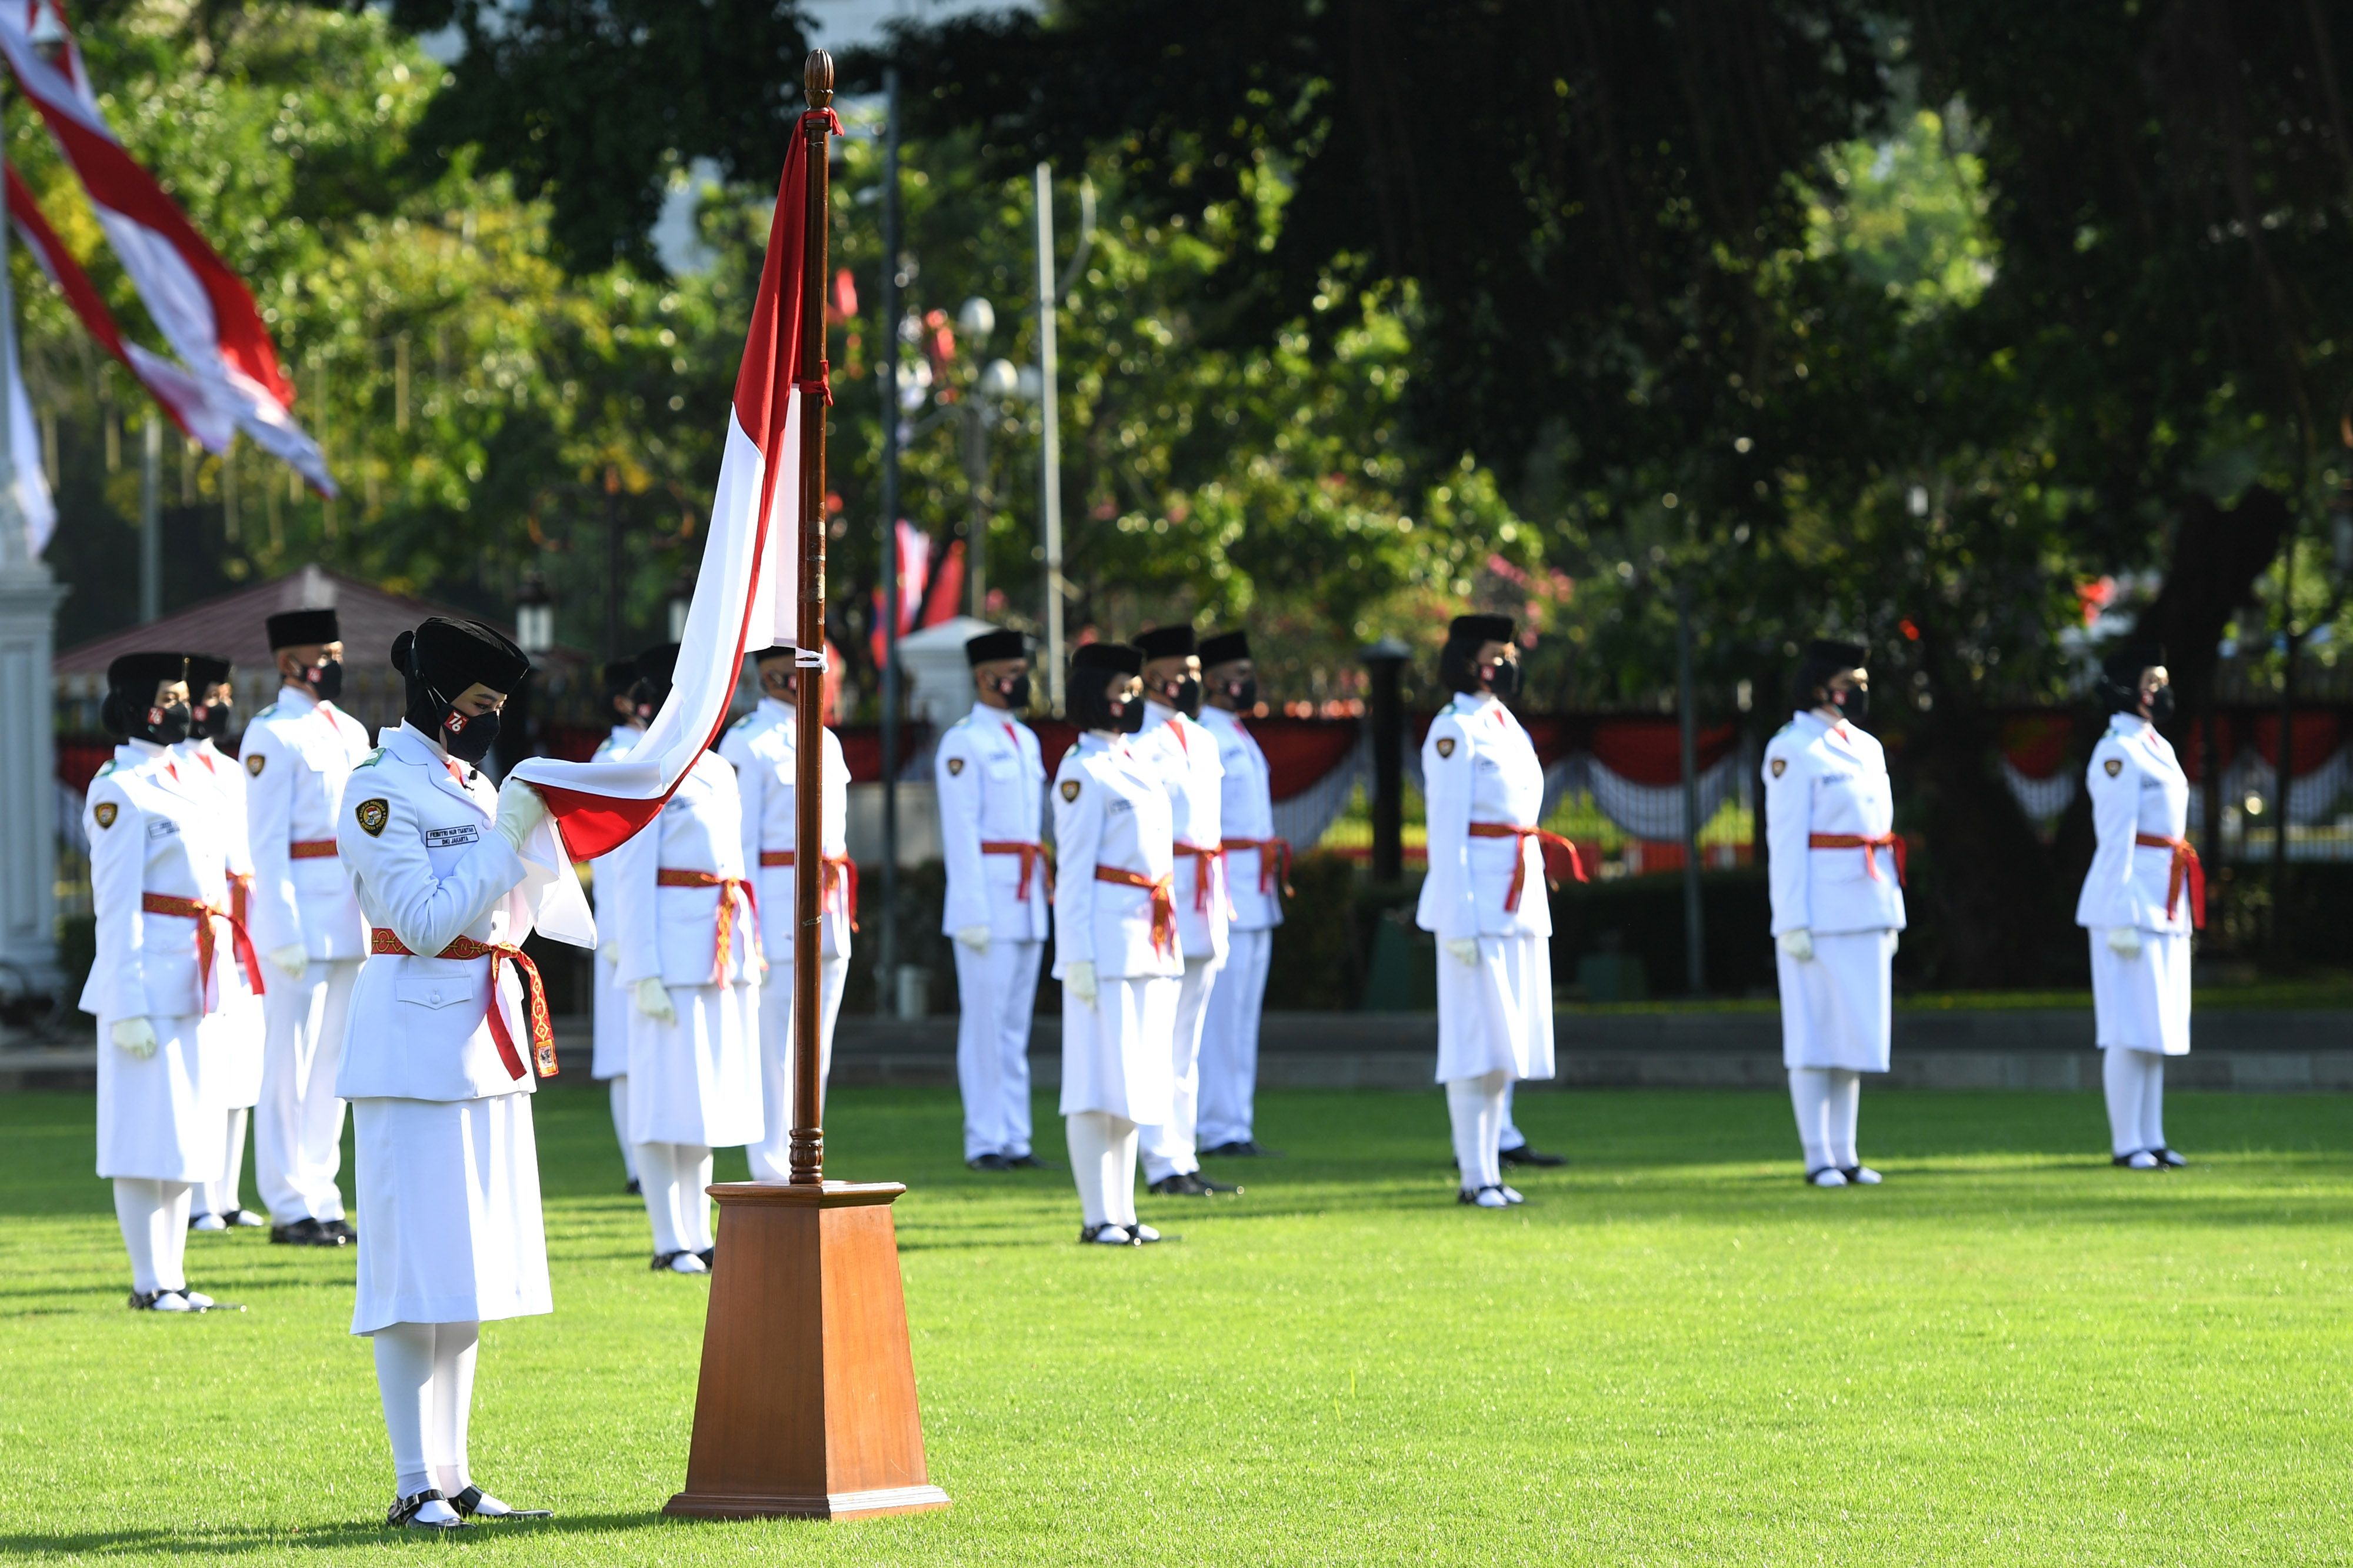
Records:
x=29, y=855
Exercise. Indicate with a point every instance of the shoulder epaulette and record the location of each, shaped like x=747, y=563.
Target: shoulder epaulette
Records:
x=745, y=722
x=371, y=760
x=105, y=768
x=265, y=712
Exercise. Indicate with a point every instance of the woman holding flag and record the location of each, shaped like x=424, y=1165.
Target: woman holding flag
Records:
x=440, y=1058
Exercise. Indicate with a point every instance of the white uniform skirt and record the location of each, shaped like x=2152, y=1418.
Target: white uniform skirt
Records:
x=156, y=1119
x=608, y=1017
x=1116, y=1051
x=698, y=1080
x=1837, y=1007
x=2143, y=1003
x=449, y=1212
x=1496, y=1018
x=230, y=1040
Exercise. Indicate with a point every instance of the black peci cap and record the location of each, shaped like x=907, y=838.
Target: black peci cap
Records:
x=1829, y=654
x=1000, y=644
x=450, y=656
x=774, y=650
x=301, y=628
x=619, y=676
x=1165, y=642
x=204, y=671
x=2124, y=665
x=140, y=673
x=1476, y=629
x=658, y=664
x=1224, y=648
x=1112, y=656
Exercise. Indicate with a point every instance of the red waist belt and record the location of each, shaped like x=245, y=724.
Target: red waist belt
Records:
x=1269, y=851
x=1871, y=844
x=1206, y=861
x=2185, y=867
x=203, y=914
x=382, y=943
x=1164, y=901
x=724, y=947
x=311, y=849
x=839, y=868
x=1030, y=855
x=1520, y=871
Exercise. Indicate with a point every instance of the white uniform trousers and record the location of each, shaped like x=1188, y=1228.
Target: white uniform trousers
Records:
x=997, y=993
x=1230, y=1040
x=609, y=1062
x=1169, y=1147
x=232, y=1043
x=771, y=1154
x=297, y=1123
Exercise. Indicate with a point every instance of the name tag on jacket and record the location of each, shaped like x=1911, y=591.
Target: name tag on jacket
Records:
x=160, y=827
x=450, y=837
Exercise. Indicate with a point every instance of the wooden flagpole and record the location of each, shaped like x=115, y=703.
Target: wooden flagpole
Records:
x=806, y=1406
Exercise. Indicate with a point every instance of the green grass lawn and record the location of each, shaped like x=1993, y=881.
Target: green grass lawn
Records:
x=1673, y=1353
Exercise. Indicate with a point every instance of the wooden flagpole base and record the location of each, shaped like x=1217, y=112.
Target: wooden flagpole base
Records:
x=806, y=1407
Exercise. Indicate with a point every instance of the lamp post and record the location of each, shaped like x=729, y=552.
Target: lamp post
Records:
x=534, y=623
x=681, y=601
x=1385, y=661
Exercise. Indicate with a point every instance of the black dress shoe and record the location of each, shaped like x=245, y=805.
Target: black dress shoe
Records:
x=245, y=1220
x=2169, y=1158
x=340, y=1230
x=1181, y=1185
x=1241, y=1149
x=1211, y=1189
x=403, y=1515
x=1025, y=1163
x=1527, y=1154
x=635, y=1189
x=708, y=1254
x=468, y=1504
x=989, y=1162
x=305, y=1233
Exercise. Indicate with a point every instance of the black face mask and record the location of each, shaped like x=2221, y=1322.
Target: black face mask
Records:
x=1016, y=692
x=328, y=682
x=468, y=738
x=1128, y=717
x=1187, y=697
x=1853, y=704
x=2160, y=706
x=210, y=724
x=1503, y=679
x=1242, y=694
x=166, y=726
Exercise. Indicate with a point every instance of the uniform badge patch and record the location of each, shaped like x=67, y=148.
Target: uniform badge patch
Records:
x=105, y=811
x=2115, y=766
x=1070, y=789
x=253, y=763
x=1446, y=746
x=956, y=766
x=1780, y=766
x=372, y=814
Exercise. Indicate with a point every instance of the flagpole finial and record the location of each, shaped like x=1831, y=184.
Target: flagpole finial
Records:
x=817, y=78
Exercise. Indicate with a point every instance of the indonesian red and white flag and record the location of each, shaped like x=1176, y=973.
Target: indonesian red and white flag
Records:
x=744, y=596
x=202, y=308
x=29, y=485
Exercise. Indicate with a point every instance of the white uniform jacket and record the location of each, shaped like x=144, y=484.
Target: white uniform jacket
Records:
x=1185, y=756
x=612, y=747
x=299, y=754
x=1246, y=811
x=427, y=866
x=672, y=934
x=1110, y=810
x=155, y=829
x=205, y=765
x=1479, y=765
x=764, y=747
x=992, y=790
x=2136, y=787
x=1830, y=779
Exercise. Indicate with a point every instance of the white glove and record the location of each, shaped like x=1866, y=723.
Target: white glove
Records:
x=974, y=937
x=136, y=1036
x=520, y=809
x=653, y=1000
x=2125, y=941
x=1080, y=982
x=611, y=954
x=1798, y=944
x=292, y=959
x=1465, y=950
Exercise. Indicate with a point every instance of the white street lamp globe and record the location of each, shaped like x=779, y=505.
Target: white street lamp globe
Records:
x=976, y=319
x=999, y=380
